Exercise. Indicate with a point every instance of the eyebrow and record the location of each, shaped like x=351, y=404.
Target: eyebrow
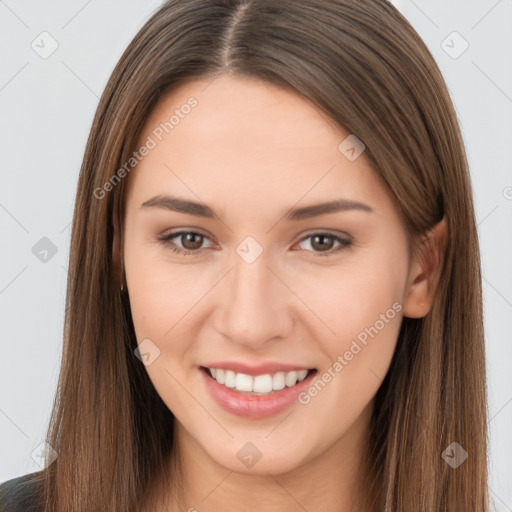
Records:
x=176, y=204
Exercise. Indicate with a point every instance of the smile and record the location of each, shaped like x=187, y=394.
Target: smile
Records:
x=255, y=396
x=258, y=384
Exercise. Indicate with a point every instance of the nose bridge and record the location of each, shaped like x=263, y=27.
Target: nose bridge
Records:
x=254, y=305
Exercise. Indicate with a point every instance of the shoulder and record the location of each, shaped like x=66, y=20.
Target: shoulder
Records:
x=23, y=493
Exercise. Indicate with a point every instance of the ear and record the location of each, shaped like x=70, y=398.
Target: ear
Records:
x=117, y=253
x=425, y=271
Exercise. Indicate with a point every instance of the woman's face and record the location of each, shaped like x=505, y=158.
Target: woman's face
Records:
x=272, y=286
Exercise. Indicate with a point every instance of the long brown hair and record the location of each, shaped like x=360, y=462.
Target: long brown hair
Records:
x=362, y=63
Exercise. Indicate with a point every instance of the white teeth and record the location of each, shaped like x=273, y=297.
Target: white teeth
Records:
x=291, y=379
x=259, y=384
x=243, y=382
x=278, y=381
x=301, y=375
x=229, y=379
x=220, y=376
x=262, y=383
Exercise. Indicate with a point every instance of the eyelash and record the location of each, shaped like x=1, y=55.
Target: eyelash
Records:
x=166, y=241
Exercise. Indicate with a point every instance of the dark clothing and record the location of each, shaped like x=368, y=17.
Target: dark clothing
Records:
x=22, y=494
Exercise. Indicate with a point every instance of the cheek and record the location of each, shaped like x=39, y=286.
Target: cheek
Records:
x=160, y=294
x=361, y=304
x=162, y=301
x=353, y=296
x=366, y=321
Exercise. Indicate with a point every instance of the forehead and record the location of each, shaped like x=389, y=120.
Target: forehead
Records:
x=229, y=102
x=248, y=140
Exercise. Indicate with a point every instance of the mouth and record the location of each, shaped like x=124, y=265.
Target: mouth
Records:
x=258, y=385
x=256, y=395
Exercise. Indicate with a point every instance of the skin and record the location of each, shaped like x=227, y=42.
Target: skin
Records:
x=251, y=151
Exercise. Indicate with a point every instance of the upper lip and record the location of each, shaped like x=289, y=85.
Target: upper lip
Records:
x=256, y=369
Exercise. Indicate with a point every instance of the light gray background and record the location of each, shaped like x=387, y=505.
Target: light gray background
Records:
x=47, y=106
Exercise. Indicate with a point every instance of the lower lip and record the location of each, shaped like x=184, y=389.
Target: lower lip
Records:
x=254, y=406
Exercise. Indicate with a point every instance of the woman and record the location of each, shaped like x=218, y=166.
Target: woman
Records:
x=274, y=295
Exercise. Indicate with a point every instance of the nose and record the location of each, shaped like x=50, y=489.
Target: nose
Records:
x=255, y=306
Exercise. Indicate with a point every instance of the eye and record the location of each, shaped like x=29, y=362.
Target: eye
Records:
x=324, y=242
x=191, y=242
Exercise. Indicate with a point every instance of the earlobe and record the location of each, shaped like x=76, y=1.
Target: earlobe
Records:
x=425, y=272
